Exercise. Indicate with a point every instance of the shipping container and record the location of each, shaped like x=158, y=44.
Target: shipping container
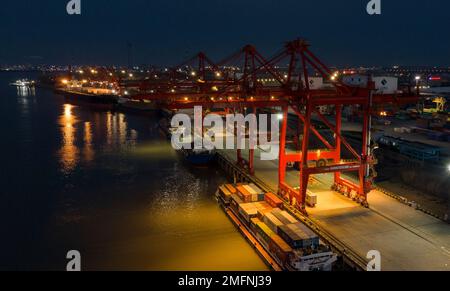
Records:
x=273, y=200
x=309, y=234
x=264, y=233
x=283, y=216
x=304, y=228
x=259, y=192
x=225, y=193
x=298, y=235
x=247, y=211
x=383, y=84
x=244, y=194
x=262, y=212
x=252, y=192
x=315, y=83
x=262, y=205
x=253, y=222
x=311, y=199
x=280, y=249
x=235, y=202
x=273, y=242
x=271, y=221
x=231, y=188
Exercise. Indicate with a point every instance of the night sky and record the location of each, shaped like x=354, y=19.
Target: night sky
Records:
x=414, y=32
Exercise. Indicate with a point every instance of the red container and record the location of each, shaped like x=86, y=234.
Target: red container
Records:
x=273, y=200
x=231, y=188
x=244, y=194
x=280, y=249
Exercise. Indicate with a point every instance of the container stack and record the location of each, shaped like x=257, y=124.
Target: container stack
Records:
x=273, y=200
x=261, y=194
x=272, y=222
x=248, y=211
x=283, y=216
x=291, y=243
x=244, y=194
x=231, y=188
x=263, y=208
x=225, y=193
x=264, y=232
x=262, y=212
x=298, y=236
x=235, y=202
x=272, y=241
x=252, y=210
x=253, y=193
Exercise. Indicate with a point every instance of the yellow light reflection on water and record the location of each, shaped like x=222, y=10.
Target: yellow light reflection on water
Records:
x=69, y=151
x=122, y=128
x=88, y=148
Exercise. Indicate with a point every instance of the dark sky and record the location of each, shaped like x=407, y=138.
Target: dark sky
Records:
x=414, y=32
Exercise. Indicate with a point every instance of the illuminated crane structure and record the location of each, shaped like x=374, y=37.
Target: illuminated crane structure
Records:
x=247, y=80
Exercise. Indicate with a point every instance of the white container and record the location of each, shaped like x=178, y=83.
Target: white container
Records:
x=383, y=84
x=311, y=199
x=386, y=85
x=315, y=83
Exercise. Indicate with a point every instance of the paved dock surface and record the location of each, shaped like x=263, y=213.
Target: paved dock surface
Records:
x=406, y=238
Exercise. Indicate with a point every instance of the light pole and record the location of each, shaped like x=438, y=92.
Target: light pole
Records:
x=417, y=84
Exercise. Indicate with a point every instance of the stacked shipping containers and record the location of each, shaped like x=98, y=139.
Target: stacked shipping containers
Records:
x=283, y=216
x=231, y=188
x=298, y=235
x=251, y=210
x=279, y=230
x=259, y=192
x=248, y=211
x=244, y=194
x=235, y=202
x=272, y=222
x=272, y=241
x=225, y=193
x=273, y=200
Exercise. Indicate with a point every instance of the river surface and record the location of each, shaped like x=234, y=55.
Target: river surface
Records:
x=107, y=184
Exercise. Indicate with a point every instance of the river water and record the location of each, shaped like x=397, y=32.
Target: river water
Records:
x=108, y=185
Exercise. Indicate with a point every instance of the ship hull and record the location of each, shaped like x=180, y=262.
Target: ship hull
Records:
x=108, y=102
x=198, y=159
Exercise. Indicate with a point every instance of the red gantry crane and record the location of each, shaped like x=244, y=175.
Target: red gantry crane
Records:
x=247, y=80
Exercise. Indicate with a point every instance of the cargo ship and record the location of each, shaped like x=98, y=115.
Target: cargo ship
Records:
x=195, y=156
x=100, y=99
x=283, y=241
x=23, y=83
x=202, y=157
